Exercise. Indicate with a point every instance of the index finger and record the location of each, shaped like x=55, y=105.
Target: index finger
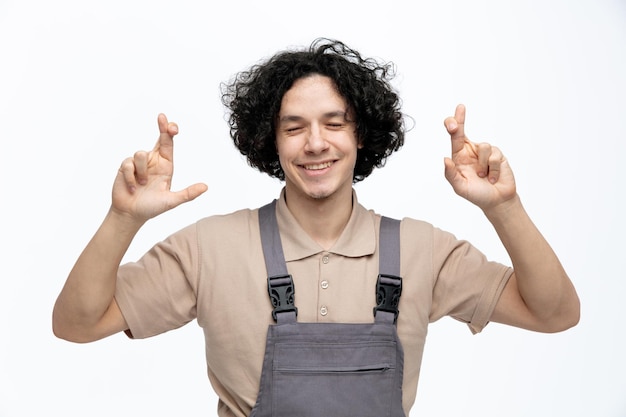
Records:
x=165, y=143
x=456, y=128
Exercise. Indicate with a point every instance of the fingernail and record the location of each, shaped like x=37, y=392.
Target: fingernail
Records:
x=492, y=180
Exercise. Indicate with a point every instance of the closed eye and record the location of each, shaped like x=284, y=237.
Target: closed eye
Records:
x=335, y=126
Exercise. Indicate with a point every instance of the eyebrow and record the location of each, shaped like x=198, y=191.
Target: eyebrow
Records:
x=329, y=115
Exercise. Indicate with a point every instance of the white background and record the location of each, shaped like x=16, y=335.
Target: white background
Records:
x=81, y=84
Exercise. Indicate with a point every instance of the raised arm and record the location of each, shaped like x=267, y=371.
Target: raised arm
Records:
x=539, y=295
x=86, y=309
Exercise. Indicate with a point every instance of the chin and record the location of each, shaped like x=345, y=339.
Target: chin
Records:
x=319, y=195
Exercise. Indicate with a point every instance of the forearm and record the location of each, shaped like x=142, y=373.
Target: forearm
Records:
x=541, y=280
x=90, y=287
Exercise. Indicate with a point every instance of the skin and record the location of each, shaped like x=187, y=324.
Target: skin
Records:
x=317, y=148
x=539, y=295
x=85, y=309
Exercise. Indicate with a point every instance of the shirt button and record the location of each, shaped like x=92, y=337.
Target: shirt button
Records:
x=325, y=259
x=323, y=311
x=324, y=284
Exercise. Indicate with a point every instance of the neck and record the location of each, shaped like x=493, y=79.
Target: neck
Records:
x=323, y=219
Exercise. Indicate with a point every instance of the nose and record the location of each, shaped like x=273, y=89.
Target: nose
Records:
x=316, y=141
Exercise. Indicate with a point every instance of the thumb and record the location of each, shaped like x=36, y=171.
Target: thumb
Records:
x=188, y=194
x=455, y=178
x=449, y=170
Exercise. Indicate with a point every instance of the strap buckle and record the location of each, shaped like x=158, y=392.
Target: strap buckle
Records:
x=282, y=294
x=388, y=290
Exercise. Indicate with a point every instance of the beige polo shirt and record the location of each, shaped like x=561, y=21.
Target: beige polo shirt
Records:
x=214, y=271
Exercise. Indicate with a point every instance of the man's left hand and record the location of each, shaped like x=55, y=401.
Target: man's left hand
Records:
x=478, y=172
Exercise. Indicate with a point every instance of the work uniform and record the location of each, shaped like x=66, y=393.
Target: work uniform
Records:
x=198, y=272
x=331, y=369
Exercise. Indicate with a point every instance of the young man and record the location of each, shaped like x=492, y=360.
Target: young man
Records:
x=320, y=119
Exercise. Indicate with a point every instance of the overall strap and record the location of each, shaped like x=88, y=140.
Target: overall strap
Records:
x=389, y=246
x=389, y=283
x=279, y=282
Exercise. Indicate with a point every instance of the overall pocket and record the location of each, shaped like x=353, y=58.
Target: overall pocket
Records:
x=333, y=379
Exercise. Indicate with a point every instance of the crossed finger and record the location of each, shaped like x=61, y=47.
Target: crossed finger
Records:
x=456, y=128
x=165, y=143
x=490, y=160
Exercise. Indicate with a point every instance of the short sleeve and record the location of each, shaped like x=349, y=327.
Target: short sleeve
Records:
x=467, y=285
x=158, y=292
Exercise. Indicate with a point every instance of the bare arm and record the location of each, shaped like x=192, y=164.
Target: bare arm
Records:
x=86, y=309
x=539, y=296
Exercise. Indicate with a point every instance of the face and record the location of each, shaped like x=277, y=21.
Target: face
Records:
x=316, y=141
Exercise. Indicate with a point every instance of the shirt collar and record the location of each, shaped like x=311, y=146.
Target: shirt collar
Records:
x=357, y=239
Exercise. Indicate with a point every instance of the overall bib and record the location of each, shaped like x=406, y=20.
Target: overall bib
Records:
x=331, y=369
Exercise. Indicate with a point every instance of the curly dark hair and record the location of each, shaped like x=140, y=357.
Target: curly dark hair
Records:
x=254, y=97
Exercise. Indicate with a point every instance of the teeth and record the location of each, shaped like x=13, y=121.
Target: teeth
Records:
x=318, y=166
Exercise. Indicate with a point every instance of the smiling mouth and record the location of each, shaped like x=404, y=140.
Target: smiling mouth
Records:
x=316, y=167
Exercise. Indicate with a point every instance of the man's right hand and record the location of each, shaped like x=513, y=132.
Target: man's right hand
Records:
x=142, y=187
x=86, y=309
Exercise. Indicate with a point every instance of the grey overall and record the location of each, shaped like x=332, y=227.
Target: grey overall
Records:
x=331, y=369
